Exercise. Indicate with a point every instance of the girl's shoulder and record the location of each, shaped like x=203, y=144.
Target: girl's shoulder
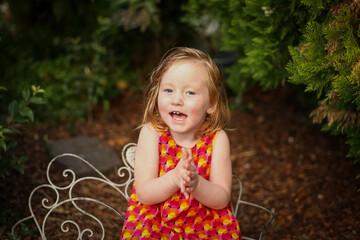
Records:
x=148, y=139
x=149, y=126
x=219, y=132
x=220, y=136
x=148, y=131
x=153, y=127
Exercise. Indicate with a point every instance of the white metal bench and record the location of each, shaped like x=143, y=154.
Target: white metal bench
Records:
x=85, y=216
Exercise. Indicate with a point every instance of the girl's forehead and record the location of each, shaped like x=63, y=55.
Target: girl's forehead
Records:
x=184, y=66
x=187, y=72
x=185, y=62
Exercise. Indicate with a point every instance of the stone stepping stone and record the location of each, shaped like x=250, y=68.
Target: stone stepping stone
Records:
x=96, y=152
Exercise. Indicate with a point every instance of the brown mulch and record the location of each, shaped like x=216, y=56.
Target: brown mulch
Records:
x=285, y=164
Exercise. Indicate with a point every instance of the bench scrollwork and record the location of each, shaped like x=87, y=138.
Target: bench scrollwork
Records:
x=64, y=194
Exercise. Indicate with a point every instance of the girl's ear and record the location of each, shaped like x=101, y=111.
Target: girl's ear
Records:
x=210, y=109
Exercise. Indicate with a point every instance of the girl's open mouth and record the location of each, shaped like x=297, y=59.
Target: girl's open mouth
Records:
x=178, y=116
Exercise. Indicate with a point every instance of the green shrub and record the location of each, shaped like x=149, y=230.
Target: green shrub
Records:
x=327, y=62
x=8, y=218
x=85, y=52
x=19, y=112
x=72, y=50
x=310, y=42
x=260, y=32
x=79, y=79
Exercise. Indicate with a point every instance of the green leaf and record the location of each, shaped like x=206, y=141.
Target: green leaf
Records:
x=18, y=163
x=37, y=100
x=13, y=108
x=40, y=91
x=23, y=159
x=7, y=131
x=37, y=89
x=11, y=131
x=26, y=94
x=12, y=145
x=15, y=131
x=3, y=144
x=3, y=88
x=26, y=112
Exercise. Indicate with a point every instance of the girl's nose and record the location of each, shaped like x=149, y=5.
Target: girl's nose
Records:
x=177, y=99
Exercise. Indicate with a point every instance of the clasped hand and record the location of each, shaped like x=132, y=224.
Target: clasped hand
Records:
x=185, y=174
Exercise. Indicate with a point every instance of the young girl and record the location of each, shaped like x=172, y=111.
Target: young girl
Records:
x=182, y=164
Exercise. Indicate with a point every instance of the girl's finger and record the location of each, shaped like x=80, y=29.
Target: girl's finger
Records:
x=187, y=165
x=186, y=178
x=186, y=194
x=189, y=153
x=182, y=187
x=185, y=153
x=183, y=190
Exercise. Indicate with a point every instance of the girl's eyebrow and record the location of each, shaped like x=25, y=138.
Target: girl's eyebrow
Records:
x=166, y=84
x=187, y=86
x=193, y=87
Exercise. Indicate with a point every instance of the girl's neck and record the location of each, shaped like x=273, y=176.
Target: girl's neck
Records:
x=187, y=140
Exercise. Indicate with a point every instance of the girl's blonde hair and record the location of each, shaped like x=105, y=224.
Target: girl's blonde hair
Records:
x=220, y=116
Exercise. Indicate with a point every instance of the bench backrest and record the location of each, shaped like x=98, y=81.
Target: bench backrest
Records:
x=64, y=194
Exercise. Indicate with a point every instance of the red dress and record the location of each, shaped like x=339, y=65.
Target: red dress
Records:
x=177, y=217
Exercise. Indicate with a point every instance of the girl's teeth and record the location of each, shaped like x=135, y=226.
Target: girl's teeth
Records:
x=178, y=115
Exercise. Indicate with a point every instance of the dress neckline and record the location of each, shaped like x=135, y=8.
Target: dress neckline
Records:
x=178, y=145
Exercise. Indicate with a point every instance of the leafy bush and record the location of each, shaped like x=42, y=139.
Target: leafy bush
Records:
x=79, y=79
x=7, y=221
x=68, y=52
x=327, y=62
x=260, y=32
x=85, y=52
x=19, y=112
x=82, y=53
x=309, y=42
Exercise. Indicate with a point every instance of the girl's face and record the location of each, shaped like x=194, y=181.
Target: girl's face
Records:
x=183, y=99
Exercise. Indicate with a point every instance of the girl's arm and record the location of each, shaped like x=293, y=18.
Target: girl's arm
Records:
x=215, y=193
x=150, y=188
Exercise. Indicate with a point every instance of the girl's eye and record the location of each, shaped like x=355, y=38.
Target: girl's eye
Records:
x=190, y=93
x=167, y=90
